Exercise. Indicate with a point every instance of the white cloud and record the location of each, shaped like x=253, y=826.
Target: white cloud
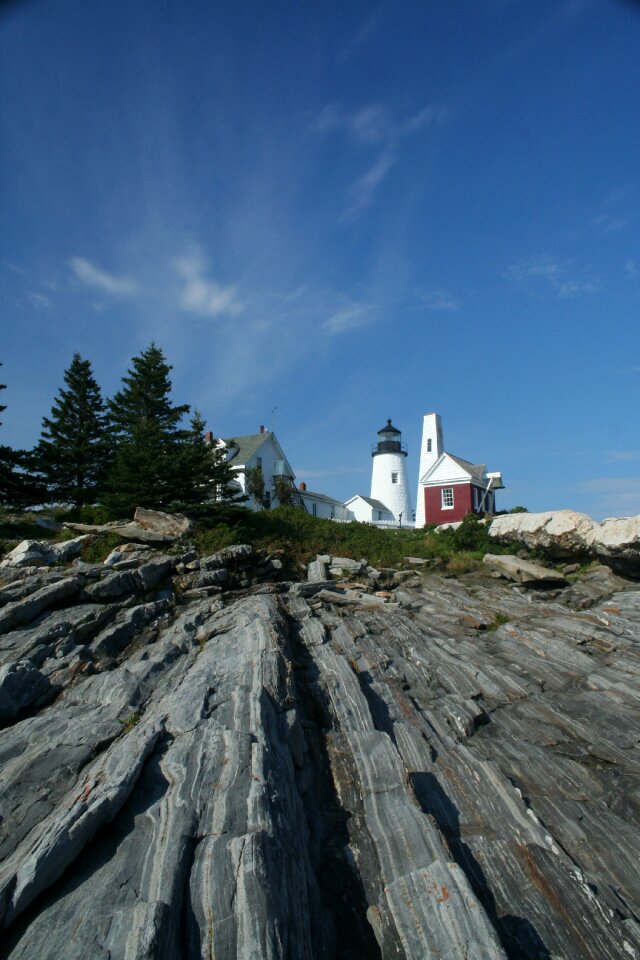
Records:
x=439, y=300
x=625, y=455
x=619, y=496
x=373, y=126
x=348, y=318
x=202, y=295
x=561, y=275
x=363, y=191
x=39, y=301
x=631, y=269
x=95, y=277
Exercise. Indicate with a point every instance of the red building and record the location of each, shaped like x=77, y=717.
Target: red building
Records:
x=448, y=487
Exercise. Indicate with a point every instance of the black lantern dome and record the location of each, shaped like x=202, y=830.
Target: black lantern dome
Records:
x=389, y=441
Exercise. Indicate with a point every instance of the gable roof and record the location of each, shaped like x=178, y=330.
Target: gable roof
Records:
x=376, y=504
x=320, y=496
x=476, y=471
x=246, y=446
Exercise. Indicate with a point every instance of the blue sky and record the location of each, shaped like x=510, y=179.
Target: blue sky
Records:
x=331, y=213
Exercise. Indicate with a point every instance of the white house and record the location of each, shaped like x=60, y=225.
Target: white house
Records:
x=258, y=450
x=449, y=487
x=321, y=505
x=369, y=510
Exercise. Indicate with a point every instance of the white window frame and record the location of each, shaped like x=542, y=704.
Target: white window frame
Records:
x=446, y=493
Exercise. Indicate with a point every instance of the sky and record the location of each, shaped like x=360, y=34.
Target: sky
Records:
x=331, y=213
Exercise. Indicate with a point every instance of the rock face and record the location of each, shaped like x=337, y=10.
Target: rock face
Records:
x=289, y=772
x=523, y=571
x=148, y=526
x=565, y=534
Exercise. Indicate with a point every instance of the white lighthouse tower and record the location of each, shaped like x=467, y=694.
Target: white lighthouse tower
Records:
x=432, y=447
x=389, y=483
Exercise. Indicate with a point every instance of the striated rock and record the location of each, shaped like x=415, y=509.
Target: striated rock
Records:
x=318, y=569
x=523, y=571
x=23, y=611
x=36, y=553
x=618, y=543
x=309, y=773
x=148, y=526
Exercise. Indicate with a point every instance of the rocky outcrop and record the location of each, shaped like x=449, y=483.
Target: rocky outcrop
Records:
x=523, y=571
x=148, y=526
x=282, y=770
x=35, y=553
x=565, y=534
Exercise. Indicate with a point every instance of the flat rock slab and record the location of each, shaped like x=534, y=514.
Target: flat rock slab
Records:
x=524, y=571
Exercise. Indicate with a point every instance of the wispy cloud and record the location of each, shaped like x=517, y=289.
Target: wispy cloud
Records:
x=439, y=300
x=349, y=318
x=619, y=496
x=632, y=269
x=303, y=473
x=625, y=455
x=362, y=192
x=562, y=276
x=608, y=223
x=39, y=301
x=202, y=295
x=373, y=127
x=93, y=276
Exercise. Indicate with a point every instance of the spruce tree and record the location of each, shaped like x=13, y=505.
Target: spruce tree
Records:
x=18, y=487
x=144, y=425
x=72, y=452
x=202, y=471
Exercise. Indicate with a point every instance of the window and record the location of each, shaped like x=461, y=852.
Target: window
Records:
x=394, y=478
x=379, y=514
x=446, y=498
x=259, y=463
x=333, y=513
x=315, y=509
x=429, y=445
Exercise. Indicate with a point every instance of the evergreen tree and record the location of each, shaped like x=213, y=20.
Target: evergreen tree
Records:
x=18, y=488
x=202, y=471
x=72, y=452
x=145, y=428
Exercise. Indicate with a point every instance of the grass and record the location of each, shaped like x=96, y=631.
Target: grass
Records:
x=302, y=536
x=498, y=621
x=128, y=723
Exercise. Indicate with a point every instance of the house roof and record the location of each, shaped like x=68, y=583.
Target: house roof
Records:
x=245, y=446
x=476, y=470
x=321, y=496
x=376, y=504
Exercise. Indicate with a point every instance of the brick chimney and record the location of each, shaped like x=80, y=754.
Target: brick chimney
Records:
x=208, y=437
x=261, y=428
x=302, y=486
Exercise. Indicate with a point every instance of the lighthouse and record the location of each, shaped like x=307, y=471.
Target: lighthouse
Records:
x=389, y=483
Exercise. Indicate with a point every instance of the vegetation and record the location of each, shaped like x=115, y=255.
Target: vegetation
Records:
x=283, y=490
x=302, y=536
x=254, y=483
x=72, y=453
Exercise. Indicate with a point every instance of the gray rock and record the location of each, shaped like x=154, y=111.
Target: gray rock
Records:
x=23, y=611
x=229, y=556
x=21, y=686
x=318, y=569
x=36, y=553
x=523, y=571
x=290, y=777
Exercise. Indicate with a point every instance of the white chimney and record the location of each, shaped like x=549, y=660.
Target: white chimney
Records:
x=432, y=447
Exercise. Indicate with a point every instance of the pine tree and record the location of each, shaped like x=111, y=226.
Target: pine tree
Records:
x=144, y=425
x=202, y=471
x=72, y=452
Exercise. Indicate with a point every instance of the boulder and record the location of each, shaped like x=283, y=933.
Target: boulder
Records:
x=148, y=526
x=567, y=535
x=35, y=553
x=523, y=571
x=560, y=533
x=318, y=569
